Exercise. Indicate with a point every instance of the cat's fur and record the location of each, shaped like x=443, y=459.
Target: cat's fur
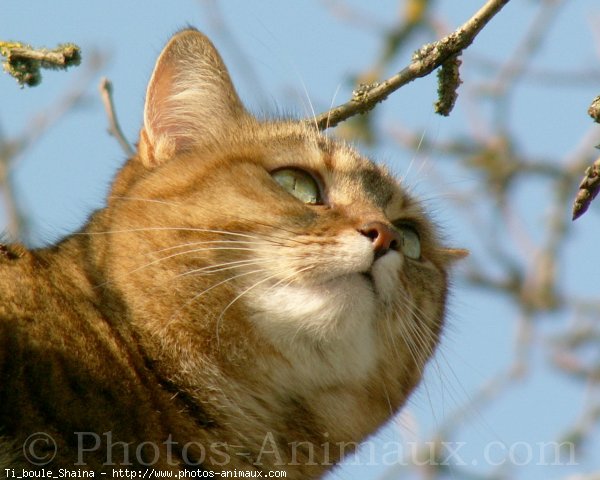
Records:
x=207, y=307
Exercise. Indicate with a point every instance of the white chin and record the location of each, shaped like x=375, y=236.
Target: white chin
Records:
x=335, y=308
x=327, y=332
x=342, y=307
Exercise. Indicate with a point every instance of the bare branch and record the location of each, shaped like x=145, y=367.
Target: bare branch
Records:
x=529, y=45
x=219, y=24
x=17, y=218
x=13, y=149
x=424, y=61
x=114, y=128
x=24, y=62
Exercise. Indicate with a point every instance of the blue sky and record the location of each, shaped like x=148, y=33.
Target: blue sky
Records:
x=299, y=50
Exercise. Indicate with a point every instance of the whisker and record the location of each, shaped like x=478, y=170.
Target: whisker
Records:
x=141, y=199
x=329, y=112
x=181, y=229
x=187, y=252
x=207, y=242
x=206, y=230
x=290, y=277
x=420, y=341
x=260, y=282
x=312, y=108
x=224, y=266
x=222, y=282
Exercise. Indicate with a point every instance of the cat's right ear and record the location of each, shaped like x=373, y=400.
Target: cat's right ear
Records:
x=190, y=98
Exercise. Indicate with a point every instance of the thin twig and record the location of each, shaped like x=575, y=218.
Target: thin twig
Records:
x=425, y=60
x=17, y=219
x=529, y=45
x=546, y=76
x=114, y=128
x=218, y=21
x=12, y=150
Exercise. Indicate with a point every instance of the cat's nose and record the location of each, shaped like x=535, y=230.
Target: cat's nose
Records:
x=383, y=236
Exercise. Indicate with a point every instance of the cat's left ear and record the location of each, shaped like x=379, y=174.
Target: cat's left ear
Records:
x=190, y=98
x=451, y=255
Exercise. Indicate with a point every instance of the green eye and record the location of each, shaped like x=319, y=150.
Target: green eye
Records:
x=411, y=243
x=299, y=183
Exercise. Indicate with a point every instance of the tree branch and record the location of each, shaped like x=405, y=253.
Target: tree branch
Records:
x=590, y=185
x=588, y=189
x=424, y=61
x=13, y=149
x=114, y=128
x=24, y=62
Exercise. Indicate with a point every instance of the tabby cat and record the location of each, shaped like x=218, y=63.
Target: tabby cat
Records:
x=254, y=296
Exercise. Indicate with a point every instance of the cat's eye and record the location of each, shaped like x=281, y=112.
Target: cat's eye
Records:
x=300, y=184
x=411, y=242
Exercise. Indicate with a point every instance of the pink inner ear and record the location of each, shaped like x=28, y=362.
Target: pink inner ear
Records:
x=157, y=103
x=190, y=99
x=164, y=133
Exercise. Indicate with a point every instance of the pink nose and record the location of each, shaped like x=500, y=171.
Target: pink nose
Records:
x=383, y=236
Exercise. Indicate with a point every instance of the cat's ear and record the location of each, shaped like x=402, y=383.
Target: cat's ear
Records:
x=190, y=98
x=452, y=255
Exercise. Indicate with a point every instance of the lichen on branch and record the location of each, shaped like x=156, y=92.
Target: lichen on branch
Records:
x=25, y=63
x=448, y=83
x=424, y=61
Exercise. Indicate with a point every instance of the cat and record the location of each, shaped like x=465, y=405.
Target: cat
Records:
x=255, y=296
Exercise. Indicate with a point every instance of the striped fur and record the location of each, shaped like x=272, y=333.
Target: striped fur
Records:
x=208, y=317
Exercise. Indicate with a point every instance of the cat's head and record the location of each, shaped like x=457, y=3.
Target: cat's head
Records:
x=233, y=235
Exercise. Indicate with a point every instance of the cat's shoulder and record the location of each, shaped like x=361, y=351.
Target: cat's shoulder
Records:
x=14, y=264
x=11, y=252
